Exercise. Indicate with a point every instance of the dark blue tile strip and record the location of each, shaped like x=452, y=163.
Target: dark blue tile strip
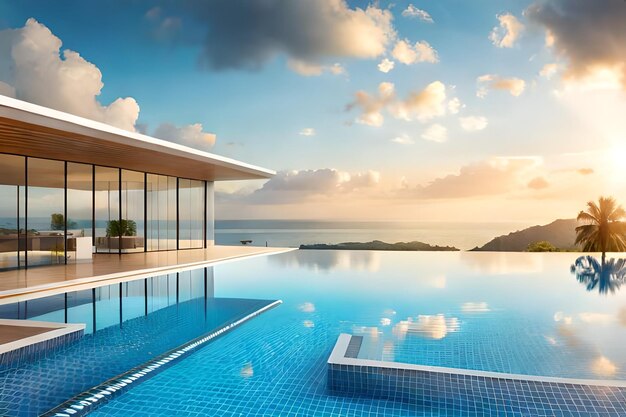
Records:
x=93, y=398
x=354, y=347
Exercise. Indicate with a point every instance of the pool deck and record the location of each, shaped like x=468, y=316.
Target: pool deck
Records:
x=22, y=334
x=106, y=269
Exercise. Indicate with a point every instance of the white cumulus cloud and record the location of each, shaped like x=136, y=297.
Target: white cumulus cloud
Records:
x=403, y=139
x=514, y=86
x=422, y=105
x=307, y=131
x=473, y=123
x=409, y=54
x=508, y=32
x=548, y=70
x=454, y=105
x=33, y=68
x=386, y=65
x=309, y=69
x=189, y=135
x=414, y=12
x=435, y=133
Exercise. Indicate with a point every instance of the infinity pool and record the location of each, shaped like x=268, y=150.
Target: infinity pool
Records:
x=522, y=313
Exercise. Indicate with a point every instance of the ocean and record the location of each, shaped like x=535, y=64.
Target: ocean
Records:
x=290, y=233
x=293, y=233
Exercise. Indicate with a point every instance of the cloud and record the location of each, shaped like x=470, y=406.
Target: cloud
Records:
x=538, y=183
x=189, y=135
x=422, y=106
x=515, y=86
x=413, y=12
x=548, y=70
x=435, y=133
x=308, y=69
x=33, y=68
x=307, y=131
x=492, y=177
x=420, y=52
x=248, y=33
x=386, y=65
x=454, y=105
x=371, y=106
x=590, y=36
x=585, y=171
x=164, y=28
x=473, y=123
x=296, y=186
x=403, y=139
x=508, y=32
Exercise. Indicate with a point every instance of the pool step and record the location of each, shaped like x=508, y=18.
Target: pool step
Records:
x=449, y=389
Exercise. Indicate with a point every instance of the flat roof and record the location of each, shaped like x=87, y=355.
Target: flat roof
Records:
x=37, y=131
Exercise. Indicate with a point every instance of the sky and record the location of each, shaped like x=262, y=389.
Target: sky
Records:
x=448, y=110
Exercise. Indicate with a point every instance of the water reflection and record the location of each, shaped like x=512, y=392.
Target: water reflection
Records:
x=427, y=326
x=329, y=260
x=604, y=277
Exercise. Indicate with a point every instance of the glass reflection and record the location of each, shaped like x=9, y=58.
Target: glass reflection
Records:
x=107, y=210
x=132, y=211
x=604, y=277
x=161, y=212
x=79, y=212
x=191, y=218
x=11, y=211
x=46, y=208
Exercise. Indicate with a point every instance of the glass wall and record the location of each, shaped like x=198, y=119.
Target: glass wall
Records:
x=210, y=213
x=45, y=222
x=79, y=212
x=161, y=212
x=11, y=211
x=58, y=212
x=191, y=214
x=107, y=210
x=132, y=224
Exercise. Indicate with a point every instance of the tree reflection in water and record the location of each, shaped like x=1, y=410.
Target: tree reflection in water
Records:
x=604, y=277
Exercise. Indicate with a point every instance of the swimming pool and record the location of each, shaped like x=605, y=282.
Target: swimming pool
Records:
x=503, y=312
x=522, y=313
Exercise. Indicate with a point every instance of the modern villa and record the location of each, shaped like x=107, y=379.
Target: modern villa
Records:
x=116, y=301
x=71, y=187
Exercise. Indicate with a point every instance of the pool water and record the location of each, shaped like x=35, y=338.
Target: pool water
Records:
x=521, y=313
x=36, y=387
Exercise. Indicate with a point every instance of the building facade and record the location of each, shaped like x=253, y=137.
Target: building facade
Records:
x=71, y=187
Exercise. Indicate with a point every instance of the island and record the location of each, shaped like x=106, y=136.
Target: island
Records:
x=379, y=245
x=560, y=233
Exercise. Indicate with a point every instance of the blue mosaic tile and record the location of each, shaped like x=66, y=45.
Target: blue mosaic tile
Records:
x=35, y=387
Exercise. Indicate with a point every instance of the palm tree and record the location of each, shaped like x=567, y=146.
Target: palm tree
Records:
x=604, y=231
